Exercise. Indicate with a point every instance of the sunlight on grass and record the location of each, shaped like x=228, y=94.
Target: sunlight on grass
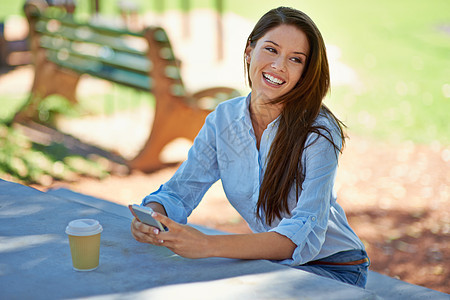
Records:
x=400, y=52
x=9, y=105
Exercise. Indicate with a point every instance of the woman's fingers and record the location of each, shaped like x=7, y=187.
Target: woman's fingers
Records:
x=144, y=233
x=170, y=224
x=136, y=231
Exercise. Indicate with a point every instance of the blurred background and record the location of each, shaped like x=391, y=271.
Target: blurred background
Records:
x=390, y=68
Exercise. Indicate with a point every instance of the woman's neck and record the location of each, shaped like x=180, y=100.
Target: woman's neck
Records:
x=262, y=114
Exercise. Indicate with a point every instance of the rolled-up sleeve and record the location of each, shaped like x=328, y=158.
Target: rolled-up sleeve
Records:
x=307, y=225
x=184, y=191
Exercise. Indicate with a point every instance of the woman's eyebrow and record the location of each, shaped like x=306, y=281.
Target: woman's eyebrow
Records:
x=296, y=52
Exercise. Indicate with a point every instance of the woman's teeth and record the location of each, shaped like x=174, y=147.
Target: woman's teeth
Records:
x=273, y=79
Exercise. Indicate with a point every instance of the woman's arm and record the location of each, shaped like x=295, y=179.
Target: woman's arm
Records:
x=185, y=189
x=265, y=245
x=188, y=242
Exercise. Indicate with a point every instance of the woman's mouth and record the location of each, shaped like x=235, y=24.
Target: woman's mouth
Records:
x=273, y=80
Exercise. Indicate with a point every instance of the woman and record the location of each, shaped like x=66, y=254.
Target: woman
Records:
x=276, y=152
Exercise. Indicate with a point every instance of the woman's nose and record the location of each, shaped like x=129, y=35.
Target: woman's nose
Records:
x=279, y=64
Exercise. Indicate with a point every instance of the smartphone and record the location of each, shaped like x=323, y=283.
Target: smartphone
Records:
x=144, y=215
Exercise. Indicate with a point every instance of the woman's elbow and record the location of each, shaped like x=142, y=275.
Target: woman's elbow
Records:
x=284, y=247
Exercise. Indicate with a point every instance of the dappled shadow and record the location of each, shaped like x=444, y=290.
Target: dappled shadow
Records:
x=394, y=238
x=58, y=144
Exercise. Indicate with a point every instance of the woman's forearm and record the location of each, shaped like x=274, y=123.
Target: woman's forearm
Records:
x=266, y=245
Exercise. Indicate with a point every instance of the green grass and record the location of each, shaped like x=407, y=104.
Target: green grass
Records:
x=10, y=104
x=401, y=57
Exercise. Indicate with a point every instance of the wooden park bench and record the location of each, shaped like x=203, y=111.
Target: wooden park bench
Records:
x=64, y=49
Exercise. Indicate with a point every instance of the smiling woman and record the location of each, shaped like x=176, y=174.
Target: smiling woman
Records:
x=276, y=152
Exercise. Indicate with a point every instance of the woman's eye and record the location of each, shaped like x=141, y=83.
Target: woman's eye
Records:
x=270, y=49
x=297, y=60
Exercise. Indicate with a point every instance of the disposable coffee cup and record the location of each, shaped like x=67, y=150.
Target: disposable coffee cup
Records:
x=84, y=240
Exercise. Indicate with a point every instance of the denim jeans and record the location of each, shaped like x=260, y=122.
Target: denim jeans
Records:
x=351, y=274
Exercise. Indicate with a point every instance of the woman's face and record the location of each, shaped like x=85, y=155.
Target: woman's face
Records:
x=277, y=61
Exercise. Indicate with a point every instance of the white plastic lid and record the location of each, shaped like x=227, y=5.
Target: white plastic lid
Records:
x=84, y=227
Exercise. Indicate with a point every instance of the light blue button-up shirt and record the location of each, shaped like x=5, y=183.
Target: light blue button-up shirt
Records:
x=225, y=149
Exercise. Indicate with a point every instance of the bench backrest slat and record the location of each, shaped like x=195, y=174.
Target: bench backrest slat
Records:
x=116, y=55
x=85, y=33
x=99, y=53
x=121, y=76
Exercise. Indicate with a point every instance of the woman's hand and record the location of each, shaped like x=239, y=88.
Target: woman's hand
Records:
x=181, y=239
x=144, y=233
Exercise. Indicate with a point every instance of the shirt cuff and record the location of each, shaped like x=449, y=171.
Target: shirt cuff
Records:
x=300, y=232
x=174, y=209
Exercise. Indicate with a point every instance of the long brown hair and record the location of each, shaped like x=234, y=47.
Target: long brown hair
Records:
x=301, y=106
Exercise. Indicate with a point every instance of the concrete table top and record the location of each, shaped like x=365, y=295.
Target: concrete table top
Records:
x=35, y=259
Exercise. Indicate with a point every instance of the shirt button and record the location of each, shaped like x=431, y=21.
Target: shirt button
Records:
x=313, y=219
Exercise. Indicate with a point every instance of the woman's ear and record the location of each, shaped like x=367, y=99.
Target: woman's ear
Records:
x=248, y=54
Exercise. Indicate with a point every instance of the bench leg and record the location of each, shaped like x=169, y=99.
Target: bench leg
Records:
x=49, y=79
x=173, y=119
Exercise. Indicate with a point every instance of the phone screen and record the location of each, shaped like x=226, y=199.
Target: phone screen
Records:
x=144, y=215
